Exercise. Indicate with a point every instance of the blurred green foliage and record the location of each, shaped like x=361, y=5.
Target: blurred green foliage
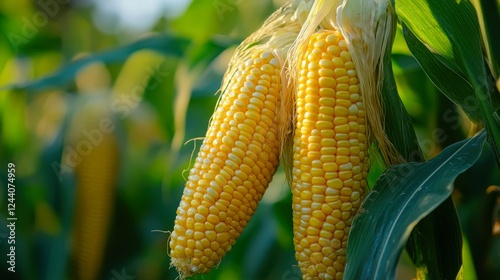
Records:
x=160, y=86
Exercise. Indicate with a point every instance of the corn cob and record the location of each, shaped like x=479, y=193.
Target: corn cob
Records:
x=234, y=166
x=240, y=153
x=330, y=161
x=96, y=177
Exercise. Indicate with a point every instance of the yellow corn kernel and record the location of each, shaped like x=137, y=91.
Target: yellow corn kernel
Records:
x=341, y=153
x=240, y=167
x=96, y=177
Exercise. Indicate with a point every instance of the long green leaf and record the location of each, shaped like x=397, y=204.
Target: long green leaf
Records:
x=450, y=31
x=441, y=26
x=398, y=123
x=402, y=196
x=424, y=251
x=434, y=237
x=166, y=44
x=488, y=12
x=398, y=126
x=454, y=86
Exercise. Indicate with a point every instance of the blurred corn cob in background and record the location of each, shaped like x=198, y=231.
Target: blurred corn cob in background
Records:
x=96, y=177
x=92, y=137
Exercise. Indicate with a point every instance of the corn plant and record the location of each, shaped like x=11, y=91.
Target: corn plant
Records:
x=343, y=139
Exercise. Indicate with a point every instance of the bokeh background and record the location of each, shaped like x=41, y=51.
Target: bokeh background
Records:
x=102, y=107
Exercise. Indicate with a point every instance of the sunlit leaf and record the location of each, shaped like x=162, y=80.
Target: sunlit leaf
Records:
x=441, y=26
x=214, y=15
x=455, y=87
x=450, y=30
x=402, y=196
x=206, y=52
x=166, y=44
x=13, y=131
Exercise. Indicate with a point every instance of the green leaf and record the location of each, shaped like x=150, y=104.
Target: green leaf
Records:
x=14, y=134
x=166, y=44
x=402, y=196
x=397, y=121
x=400, y=132
x=258, y=255
x=218, y=17
x=488, y=12
x=441, y=26
x=454, y=86
x=399, y=45
x=417, y=91
x=435, y=245
x=209, y=50
x=425, y=252
x=54, y=247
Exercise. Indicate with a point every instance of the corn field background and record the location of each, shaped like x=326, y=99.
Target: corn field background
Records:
x=145, y=75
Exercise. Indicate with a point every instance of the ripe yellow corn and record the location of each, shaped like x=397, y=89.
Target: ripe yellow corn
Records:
x=96, y=177
x=330, y=161
x=234, y=166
